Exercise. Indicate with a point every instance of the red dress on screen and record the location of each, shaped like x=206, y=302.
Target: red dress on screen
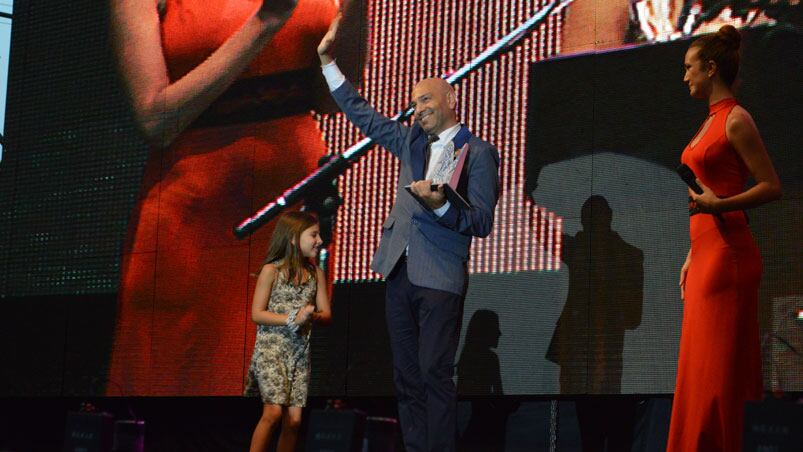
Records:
x=183, y=319
x=719, y=367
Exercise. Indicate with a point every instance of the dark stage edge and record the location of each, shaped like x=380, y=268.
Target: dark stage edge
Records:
x=178, y=424
x=175, y=424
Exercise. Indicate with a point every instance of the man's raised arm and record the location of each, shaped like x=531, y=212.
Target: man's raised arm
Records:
x=386, y=132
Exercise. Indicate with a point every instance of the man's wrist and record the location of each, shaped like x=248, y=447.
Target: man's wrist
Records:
x=334, y=77
x=326, y=59
x=440, y=211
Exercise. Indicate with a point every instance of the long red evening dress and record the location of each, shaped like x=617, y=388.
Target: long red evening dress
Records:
x=183, y=320
x=719, y=367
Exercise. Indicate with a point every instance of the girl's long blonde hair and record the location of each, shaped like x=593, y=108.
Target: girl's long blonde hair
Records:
x=284, y=248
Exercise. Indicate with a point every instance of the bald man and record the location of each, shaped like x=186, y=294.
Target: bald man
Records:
x=425, y=245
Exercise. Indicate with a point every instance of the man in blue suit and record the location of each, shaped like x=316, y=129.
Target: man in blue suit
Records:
x=425, y=245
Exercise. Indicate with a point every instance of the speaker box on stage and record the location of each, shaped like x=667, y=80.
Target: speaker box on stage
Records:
x=772, y=425
x=335, y=431
x=88, y=432
x=380, y=434
x=129, y=436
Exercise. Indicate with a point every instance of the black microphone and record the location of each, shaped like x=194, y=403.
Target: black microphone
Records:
x=688, y=176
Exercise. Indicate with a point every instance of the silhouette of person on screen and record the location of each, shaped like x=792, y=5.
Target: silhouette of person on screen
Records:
x=478, y=375
x=604, y=300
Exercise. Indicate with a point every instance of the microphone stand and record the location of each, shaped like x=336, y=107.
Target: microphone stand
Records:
x=337, y=164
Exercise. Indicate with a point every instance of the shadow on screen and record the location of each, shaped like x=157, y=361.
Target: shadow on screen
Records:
x=478, y=373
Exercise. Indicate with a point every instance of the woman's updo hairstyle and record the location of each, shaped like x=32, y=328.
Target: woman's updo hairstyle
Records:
x=721, y=47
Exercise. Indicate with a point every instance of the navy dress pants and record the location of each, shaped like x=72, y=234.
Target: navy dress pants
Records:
x=424, y=327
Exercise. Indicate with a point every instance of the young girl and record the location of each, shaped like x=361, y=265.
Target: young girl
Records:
x=290, y=295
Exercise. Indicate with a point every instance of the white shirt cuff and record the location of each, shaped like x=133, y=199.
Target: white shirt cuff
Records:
x=334, y=78
x=442, y=209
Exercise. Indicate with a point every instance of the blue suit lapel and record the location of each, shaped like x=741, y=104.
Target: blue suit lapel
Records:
x=418, y=150
x=462, y=137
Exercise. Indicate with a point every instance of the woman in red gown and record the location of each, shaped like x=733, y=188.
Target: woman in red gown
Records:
x=719, y=367
x=222, y=91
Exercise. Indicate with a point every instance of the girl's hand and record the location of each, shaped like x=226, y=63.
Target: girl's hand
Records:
x=304, y=314
x=683, y=271
x=707, y=202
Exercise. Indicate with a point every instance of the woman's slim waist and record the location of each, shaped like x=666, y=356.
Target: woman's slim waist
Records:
x=731, y=224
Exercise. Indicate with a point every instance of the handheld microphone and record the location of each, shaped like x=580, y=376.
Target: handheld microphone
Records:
x=688, y=176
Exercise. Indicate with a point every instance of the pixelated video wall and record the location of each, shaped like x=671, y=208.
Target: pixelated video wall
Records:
x=588, y=111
